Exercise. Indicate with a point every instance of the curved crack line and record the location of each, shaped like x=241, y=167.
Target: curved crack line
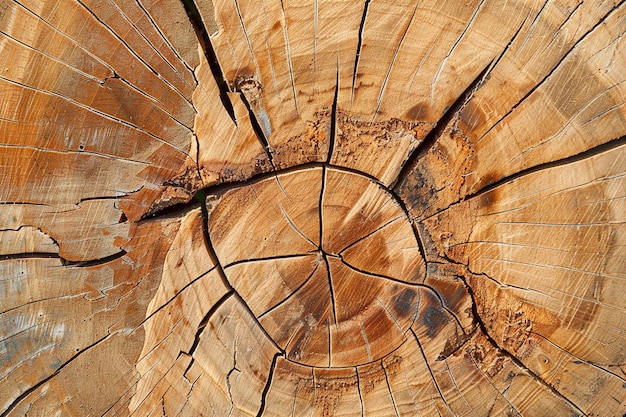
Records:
x=333, y=117
x=331, y=289
x=409, y=284
x=451, y=51
x=289, y=60
x=352, y=366
x=436, y=132
x=147, y=394
x=100, y=113
x=178, y=293
x=293, y=225
x=233, y=369
x=393, y=60
x=209, y=53
x=369, y=234
x=572, y=49
x=358, y=48
x=134, y=53
x=321, y=205
x=412, y=284
x=358, y=386
x=501, y=394
x=579, y=360
x=456, y=387
x=589, y=153
x=270, y=377
x=572, y=119
x=149, y=42
x=330, y=343
x=382, y=276
x=367, y=343
x=164, y=37
x=218, y=267
x=483, y=329
x=391, y=316
x=284, y=300
x=56, y=372
x=393, y=400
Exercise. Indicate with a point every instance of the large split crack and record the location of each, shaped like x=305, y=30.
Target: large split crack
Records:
x=205, y=42
x=484, y=329
x=56, y=372
x=449, y=117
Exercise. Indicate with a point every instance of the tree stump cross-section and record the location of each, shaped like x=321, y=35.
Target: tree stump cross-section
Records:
x=326, y=260
x=312, y=208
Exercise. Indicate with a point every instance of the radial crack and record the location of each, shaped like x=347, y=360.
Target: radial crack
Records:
x=202, y=325
x=393, y=60
x=32, y=389
x=433, y=136
x=228, y=375
x=393, y=400
x=285, y=299
x=293, y=225
x=513, y=358
x=432, y=375
x=358, y=387
x=333, y=119
x=331, y=289
x=358, y=47
x=604, y=147
x=209, y=52
x=266, y=389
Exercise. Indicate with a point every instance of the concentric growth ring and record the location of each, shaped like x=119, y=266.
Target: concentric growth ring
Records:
x=326, y=260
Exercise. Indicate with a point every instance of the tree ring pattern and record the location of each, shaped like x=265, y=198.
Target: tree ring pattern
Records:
x=327, y=261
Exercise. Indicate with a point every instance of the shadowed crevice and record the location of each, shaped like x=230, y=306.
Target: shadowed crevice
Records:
x=258, y=129
x=65, y=262
x=205, y=42
x=589, y=153
x=359, y=46
x=433, y=136
x=484, y=330
x=36, y=386
x=270, y=377
x=202, y=325
x=333, y=119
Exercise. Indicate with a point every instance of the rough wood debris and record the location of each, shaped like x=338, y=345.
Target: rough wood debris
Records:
x=312, y=208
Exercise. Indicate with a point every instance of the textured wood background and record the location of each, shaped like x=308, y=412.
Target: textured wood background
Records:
x=312, y=208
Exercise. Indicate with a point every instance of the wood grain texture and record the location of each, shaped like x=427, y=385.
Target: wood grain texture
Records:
x=312, y=208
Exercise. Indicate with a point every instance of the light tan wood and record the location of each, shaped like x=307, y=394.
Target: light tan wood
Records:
x=312, y=208
x=571, y=306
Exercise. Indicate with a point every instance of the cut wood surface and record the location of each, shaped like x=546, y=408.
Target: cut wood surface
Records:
x=312, y=208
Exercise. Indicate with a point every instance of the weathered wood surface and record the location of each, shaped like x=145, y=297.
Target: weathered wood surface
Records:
x=409, y=208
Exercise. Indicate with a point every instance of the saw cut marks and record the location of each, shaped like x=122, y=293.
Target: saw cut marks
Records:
x=282, y=242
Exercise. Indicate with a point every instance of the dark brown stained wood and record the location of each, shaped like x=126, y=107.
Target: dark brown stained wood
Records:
x=312, y=208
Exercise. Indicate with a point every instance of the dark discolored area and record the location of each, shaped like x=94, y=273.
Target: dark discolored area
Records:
x=434, y=319
x=403, y=302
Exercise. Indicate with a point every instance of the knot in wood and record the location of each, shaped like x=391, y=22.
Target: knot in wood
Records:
x=326, y=260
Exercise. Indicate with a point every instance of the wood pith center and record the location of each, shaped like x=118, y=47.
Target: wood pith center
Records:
x=327, y=261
